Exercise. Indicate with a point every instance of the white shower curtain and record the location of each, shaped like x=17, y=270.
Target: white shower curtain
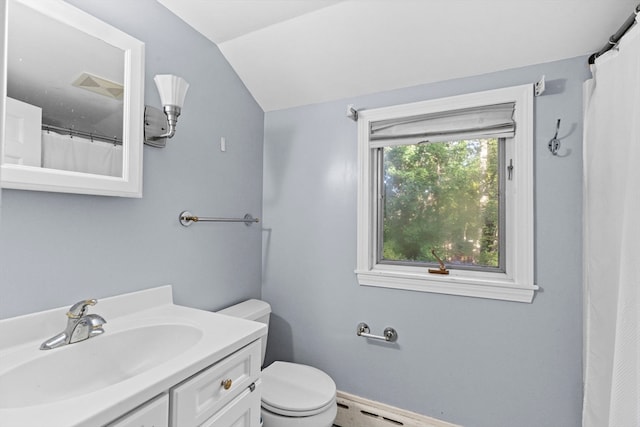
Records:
x=81, y=155
x=612, y=238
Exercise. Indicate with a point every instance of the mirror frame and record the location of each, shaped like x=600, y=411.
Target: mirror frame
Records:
x=43, y=179
x=4, y=7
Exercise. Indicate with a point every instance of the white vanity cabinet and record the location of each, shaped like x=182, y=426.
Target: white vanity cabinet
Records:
x=154, y=413
x=223, y=395
x=243, y=411
x=157, y=365
x=226, y=394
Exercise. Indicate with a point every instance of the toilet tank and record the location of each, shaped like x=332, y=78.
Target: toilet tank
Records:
x=252, y=309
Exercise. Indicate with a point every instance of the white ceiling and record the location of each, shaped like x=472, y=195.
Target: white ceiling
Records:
x=297, y=52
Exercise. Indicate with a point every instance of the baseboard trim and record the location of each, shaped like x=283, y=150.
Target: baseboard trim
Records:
x=355, y=411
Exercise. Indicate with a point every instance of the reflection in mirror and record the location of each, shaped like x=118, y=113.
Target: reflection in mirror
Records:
x=72, y=86
x=74, y=102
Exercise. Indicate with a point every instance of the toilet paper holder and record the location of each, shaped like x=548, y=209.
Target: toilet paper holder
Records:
x=389, y=334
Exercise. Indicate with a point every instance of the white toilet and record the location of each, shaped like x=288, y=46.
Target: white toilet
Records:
x=293, y=395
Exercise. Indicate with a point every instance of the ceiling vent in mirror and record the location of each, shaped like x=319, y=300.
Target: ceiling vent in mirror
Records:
x=99, y=85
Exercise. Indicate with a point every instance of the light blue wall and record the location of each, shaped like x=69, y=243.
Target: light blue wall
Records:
x=471, y=361
x=59, y=248
x=476, y=362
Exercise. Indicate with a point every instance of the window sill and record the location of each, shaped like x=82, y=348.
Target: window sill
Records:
x=494, y=288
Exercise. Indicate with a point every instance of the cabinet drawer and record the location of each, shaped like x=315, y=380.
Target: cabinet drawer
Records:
x=154, y=413
x=199, y=397
x=243, y=411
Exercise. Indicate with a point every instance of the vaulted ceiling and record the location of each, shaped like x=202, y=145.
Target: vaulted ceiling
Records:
x=297, y=52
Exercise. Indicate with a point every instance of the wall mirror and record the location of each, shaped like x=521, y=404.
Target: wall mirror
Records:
x=74, y=104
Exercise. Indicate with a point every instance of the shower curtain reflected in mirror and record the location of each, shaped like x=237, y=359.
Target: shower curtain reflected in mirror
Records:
x=74, y=153
x=612, y=238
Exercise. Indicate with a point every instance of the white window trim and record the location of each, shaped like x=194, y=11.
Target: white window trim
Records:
x=517, y=283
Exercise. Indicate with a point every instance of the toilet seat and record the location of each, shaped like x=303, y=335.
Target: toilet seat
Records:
x=295, y=390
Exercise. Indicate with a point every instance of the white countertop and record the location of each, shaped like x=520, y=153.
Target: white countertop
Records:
x=22, y=336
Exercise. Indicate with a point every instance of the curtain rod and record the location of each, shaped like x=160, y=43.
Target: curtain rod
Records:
x=92, y=136
x=614, y=39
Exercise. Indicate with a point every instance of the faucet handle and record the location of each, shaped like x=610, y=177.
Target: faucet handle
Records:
x=78, y=309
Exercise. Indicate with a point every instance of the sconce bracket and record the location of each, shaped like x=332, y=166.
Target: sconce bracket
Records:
x=155, y=124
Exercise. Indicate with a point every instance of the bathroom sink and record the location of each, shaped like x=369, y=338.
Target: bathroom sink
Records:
x=94, y=364
x=149, y=345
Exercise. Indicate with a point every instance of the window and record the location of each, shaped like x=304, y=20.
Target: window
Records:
x=448, y=181
x=442, y=198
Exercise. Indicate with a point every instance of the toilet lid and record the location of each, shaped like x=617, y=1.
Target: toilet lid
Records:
x=296, y=390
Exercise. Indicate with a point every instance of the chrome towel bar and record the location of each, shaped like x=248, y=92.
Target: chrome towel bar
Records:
x=390, y=334
x=187, y=218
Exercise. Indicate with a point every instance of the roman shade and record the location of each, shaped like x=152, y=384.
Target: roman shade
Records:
x=488, y=121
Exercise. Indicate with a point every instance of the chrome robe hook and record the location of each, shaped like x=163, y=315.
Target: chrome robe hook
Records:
x=554, y=143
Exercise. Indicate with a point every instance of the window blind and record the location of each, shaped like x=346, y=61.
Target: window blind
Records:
x=489, y=121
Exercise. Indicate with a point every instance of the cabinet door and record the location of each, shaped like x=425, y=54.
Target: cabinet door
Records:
x=154, y=413
x=200, y=397
x=243, y=411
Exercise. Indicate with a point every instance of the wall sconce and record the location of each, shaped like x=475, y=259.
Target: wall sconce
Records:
x=160, y=125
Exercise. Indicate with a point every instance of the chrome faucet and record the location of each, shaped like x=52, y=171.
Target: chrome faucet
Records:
x=80, y=326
